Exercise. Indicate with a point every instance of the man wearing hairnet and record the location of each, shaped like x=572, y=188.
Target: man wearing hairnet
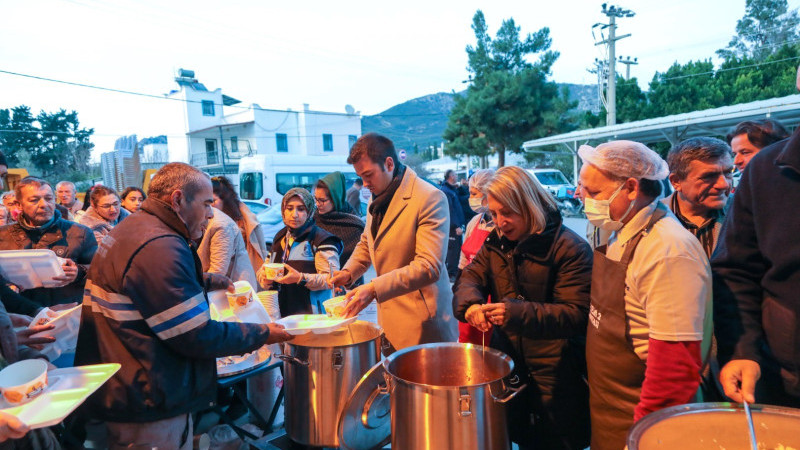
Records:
x=651, y=288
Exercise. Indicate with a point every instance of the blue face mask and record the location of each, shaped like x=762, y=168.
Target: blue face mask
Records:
x=476, y=204
x=598, y=212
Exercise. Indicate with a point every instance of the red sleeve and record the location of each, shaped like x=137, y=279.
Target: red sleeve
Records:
x=672, y=376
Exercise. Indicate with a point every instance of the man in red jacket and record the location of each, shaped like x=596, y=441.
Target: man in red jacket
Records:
x=651, y=288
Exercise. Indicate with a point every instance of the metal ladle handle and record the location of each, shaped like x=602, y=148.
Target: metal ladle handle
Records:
x=751, y=429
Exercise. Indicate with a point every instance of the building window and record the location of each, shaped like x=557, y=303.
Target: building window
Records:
x=327, y=142
x=211, y=152
x=282, y=141
x=208, y=108
x=351, y=140
x=234, y=144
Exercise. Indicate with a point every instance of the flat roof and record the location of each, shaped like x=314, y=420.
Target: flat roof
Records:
x=675, y=128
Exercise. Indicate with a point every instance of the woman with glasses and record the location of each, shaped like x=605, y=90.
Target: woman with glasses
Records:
x=538, y=274
x=104, y=213
x=309, y=254
x=334, y=213
x=227, y=200
x=132, y=198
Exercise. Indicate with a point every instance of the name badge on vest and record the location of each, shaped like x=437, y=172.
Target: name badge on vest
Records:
x=594, y=316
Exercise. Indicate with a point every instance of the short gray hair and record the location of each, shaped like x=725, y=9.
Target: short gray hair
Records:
x=696, y=149
x=66, y=183
x=480, y=179
x=177, y=176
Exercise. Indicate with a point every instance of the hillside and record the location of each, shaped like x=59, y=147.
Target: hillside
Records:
x=422, y=121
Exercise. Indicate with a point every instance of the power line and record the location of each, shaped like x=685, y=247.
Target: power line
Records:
x=163, y=97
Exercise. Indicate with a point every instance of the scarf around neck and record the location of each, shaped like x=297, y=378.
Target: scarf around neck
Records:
x=380, y=203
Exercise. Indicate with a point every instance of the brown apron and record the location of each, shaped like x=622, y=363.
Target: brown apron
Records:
x=616, y=373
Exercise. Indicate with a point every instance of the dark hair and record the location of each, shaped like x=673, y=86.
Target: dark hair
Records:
x=447, y=173
x=87, y=197
x=177, y=176
x=130, y=189
x=227, y=194
x=358, y=181
x=100, y=191
x=321, y=185
x=650, y=188
x=30, y=181
x=695, y=149
x=760, y=133
x=375, y=147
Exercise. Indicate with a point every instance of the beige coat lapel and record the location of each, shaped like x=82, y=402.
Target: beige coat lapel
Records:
x=398, y=203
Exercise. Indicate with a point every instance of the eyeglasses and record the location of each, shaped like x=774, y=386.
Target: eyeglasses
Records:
x=109, y=206
x=321, y=200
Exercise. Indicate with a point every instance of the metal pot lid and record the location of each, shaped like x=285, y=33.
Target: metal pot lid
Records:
x=365, y=422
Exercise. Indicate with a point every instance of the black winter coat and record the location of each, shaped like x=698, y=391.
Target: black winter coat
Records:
x=756, y=269
x=545, y=283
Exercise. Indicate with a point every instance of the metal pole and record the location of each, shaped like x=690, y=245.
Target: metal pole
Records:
x=222, y=151
x=611, y=118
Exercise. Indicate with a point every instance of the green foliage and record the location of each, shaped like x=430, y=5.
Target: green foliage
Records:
x=683, y=88
x=765, y=26
x=53, y=143
x=510, y=99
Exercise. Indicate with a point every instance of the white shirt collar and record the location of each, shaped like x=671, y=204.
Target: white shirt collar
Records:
x=636, y=224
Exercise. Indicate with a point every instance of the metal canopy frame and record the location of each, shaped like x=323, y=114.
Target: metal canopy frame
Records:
x=675, y=128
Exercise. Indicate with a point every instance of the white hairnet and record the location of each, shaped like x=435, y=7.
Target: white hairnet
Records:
x=480, y=178
x=627, y=159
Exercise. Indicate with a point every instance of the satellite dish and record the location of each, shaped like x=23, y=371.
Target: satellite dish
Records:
x=349, y=109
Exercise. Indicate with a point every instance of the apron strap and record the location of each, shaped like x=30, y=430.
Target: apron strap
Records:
x=658, y=214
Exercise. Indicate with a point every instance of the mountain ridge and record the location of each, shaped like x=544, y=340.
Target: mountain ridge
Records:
x=422, y=120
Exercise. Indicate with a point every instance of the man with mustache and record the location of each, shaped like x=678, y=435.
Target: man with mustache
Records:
x=701, y=171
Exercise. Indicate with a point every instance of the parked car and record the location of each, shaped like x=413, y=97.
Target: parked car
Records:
x=562, y=190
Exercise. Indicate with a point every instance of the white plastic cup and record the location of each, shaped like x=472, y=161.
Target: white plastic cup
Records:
x=241, y=296
x=22, y=381
x=273, y=270
x=334, y=307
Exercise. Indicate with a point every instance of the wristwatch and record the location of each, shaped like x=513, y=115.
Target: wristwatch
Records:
x=303, y=280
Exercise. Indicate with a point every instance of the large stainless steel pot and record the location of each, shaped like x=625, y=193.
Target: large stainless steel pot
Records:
x=703, y=426
x=320, y=372
x=441, y=396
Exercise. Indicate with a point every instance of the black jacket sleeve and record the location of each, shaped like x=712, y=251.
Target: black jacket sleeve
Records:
x=16, y=303
x=738, y=267
x=472, y=287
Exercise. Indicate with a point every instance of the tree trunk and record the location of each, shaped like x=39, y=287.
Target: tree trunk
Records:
x=501, y=157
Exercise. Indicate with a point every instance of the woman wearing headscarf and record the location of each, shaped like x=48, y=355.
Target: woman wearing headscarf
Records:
x=104, y=212
x=477, y=231
x=538, y=274
x=335, y=215
x=227, y=201
x=309, y=255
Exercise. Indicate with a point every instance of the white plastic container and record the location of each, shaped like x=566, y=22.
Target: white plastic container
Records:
x=30, y=269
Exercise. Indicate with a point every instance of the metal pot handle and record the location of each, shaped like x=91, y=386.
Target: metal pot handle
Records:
x=293, y=359
x=510, y=392
x=378, y=394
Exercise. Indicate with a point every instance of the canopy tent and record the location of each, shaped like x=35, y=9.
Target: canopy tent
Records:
x=675, y=128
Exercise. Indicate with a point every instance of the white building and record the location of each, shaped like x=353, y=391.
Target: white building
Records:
x=121, y=167
x=213, y=131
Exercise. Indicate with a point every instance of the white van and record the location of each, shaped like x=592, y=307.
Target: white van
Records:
x=266, y=178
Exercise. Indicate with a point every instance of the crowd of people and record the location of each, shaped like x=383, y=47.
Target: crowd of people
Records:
x=688, y=297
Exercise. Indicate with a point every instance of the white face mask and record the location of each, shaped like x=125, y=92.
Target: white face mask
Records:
x=477, y=204
x=597, y=212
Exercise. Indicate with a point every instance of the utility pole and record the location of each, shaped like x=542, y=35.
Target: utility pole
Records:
x=628, y=62
x=612, y=12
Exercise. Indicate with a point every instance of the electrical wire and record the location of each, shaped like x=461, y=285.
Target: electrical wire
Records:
x=164, y=97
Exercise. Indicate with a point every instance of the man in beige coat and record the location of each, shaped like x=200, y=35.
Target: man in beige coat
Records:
x=406, y=239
